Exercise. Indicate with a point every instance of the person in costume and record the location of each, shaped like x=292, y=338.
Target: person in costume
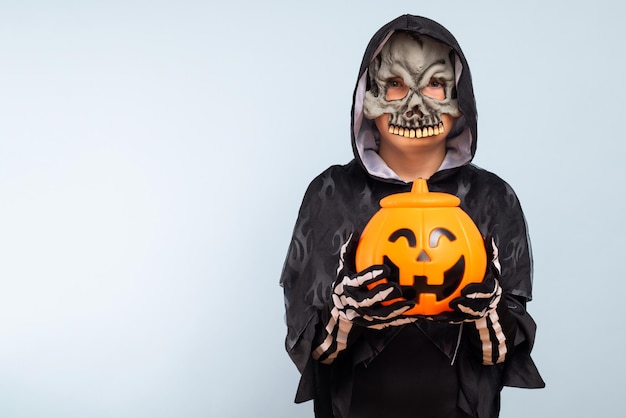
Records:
x=413, y=116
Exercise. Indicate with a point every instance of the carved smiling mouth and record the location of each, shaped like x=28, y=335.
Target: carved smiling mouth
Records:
x=424, y=132
x=452, y=279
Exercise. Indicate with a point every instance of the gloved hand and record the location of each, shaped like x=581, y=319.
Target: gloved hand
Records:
x=358, y=297
x=477, y=299
x=356, y=300
x=481, y=305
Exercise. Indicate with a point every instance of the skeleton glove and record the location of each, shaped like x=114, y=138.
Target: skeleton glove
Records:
x=480, y=306
x=477, y=300
x=357, y=300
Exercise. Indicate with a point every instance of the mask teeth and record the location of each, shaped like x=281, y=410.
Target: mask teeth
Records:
x=417, y=132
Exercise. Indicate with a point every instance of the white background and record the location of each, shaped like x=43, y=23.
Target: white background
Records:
x=153, y=156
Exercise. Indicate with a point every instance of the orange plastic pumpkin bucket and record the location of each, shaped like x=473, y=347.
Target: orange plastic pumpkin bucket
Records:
x=432, y=246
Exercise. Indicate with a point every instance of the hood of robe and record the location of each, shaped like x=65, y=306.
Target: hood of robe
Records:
x=461, y=141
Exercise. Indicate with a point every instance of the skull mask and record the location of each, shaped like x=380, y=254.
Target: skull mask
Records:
x=416, y=60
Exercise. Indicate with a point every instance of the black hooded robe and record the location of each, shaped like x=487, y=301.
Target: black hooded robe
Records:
x=425, y=369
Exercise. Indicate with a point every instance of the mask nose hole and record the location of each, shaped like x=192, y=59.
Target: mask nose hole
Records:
x=414, y=112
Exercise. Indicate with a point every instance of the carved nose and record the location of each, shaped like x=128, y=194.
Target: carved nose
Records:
x=423, y=256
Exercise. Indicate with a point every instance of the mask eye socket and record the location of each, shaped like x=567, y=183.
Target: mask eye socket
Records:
x=435, y=89
x=396, y=89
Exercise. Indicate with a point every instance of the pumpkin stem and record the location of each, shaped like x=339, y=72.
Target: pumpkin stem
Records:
x=419, y=186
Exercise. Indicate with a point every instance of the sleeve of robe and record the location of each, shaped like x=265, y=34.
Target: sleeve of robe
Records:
x=322, y=225
x=496, y=210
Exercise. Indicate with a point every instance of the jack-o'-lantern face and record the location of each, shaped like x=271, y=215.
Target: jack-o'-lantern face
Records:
x=420, y=275
x=432, y=247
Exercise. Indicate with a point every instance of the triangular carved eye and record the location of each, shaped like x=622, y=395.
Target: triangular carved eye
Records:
x=423, y=256
x=438, y=233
